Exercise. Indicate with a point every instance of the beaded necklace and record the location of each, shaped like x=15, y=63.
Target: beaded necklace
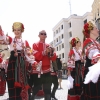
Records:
x=16, y=42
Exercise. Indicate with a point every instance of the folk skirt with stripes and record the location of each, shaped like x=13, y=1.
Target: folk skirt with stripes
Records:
x=76, y=73
x=91, y=91
x=16, y=77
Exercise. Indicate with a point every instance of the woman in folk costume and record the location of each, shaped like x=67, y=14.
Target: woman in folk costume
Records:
x=91, y=49
x=31, y=64
x=74, y=64
x=16, y=71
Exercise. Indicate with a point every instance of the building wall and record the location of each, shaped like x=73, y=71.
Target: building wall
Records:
x=76, y=29
x=96, y=9
x=59, y=37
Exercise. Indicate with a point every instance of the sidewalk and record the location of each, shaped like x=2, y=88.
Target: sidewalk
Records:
x=61, y=94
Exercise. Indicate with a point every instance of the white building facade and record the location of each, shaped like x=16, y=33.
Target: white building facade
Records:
x=65, y=30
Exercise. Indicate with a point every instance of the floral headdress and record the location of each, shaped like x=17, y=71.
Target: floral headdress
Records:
x=74, y=41
x=87, y=28
x=18, y=25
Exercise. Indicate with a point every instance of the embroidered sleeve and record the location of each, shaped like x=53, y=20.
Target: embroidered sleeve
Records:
x=30, y=58
x=71, y=61
x=4, y=39
x=95, y=56
x=8, y=40
x=92, y=52
x=38, y=54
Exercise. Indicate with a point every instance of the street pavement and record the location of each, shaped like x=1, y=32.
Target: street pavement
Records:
x=61, y=94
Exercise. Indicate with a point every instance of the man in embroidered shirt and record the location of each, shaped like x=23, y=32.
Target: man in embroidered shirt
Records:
x=40, y=51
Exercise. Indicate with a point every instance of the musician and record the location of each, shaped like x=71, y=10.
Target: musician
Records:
x=42, y=53
x=16, y=71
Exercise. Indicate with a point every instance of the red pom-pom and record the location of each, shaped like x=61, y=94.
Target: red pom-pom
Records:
x=27, y=87
x=17, y=84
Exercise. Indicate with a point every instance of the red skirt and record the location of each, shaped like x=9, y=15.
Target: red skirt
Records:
x=2, y=87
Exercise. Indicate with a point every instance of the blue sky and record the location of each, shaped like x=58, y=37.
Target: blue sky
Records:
x=39, y=14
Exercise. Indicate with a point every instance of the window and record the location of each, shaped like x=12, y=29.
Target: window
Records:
x=62, y=55
x=61, y=26
x=57, y=39
x=70, y=34
x=59, y=47
x=63, y=45
x=54, y=42
x=62, y=36
x=59, y=29
x=56, y=31
x=85, y=21
x=70, y=24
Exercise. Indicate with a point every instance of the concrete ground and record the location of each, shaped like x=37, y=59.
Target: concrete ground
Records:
x=61, y=94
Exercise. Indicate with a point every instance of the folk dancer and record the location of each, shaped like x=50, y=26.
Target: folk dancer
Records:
x=91, y=48
x=74, y=68
x=31, y=64
x=16, y=71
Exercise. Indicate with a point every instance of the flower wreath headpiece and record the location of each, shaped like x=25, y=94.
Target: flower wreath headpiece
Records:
x=74, y=41
x=87, y=28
